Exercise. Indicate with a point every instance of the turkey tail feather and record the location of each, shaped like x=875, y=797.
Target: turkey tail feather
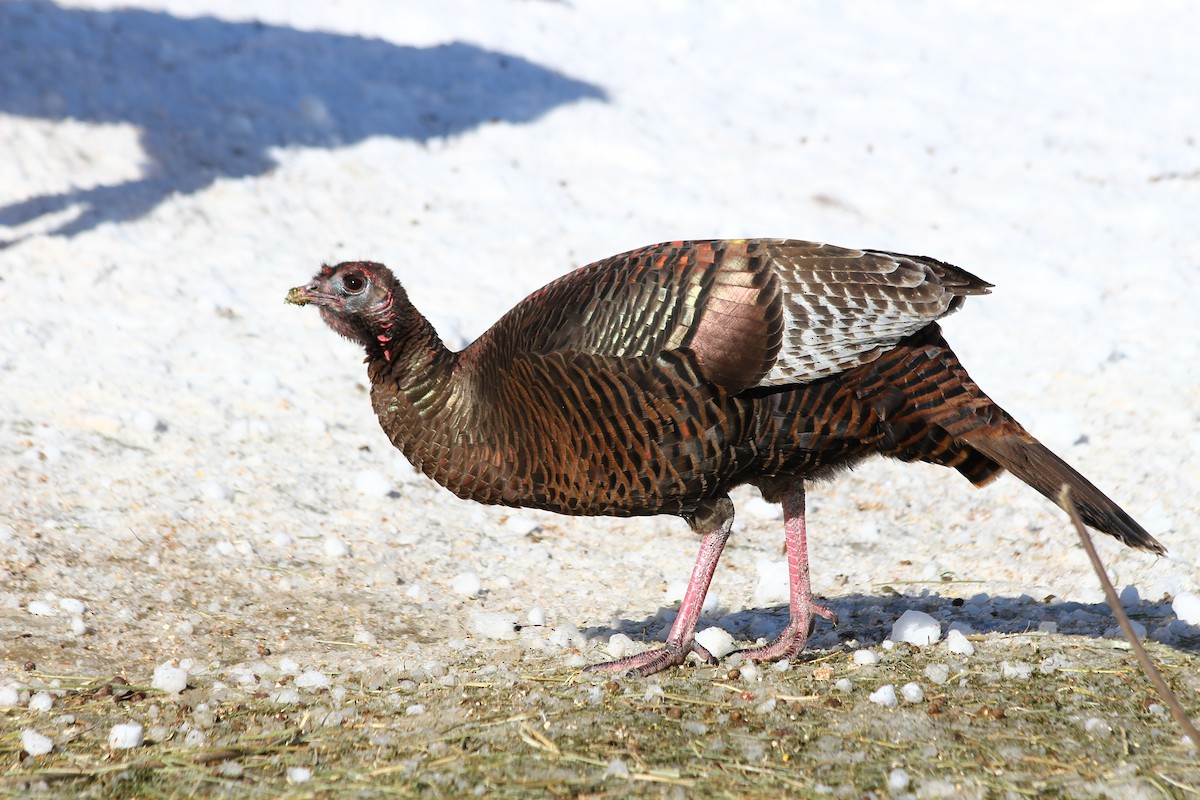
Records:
x=1032, y=462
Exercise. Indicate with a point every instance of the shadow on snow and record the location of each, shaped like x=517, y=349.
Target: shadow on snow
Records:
x=211, y=98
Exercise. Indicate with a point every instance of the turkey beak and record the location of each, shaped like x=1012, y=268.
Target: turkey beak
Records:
x=299, y=295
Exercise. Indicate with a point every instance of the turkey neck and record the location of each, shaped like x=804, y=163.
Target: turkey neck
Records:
x=409, y=357
x=425, y=398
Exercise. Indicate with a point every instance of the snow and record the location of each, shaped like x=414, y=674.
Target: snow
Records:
x=167, y=424
x=169, y=678
x=125, y=735
x=35, y=743
x=716, y=640
x=958, y=644
x=1186, y=606
x=916, y=627
x=884, y=696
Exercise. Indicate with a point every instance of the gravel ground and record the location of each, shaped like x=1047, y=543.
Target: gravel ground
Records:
x=193, y=477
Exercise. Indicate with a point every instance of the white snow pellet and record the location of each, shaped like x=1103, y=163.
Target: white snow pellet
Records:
x=717, y=641
x=414, y=709
x=1187, y=608
x=169, y=678
x=864, y=658
x=335, y=547
x=1015, y=669
x=750, y=672
x=34, y=743
x=466, y=584
x=492, y=625
x=916, y=627
x=10, y=696
x=897, y=780
x=536, y=616
x=40, y=608
x=285, y=696
x=522, y=525
x=616, y=769
x=313, y=679
x=884, y=696
x=41, y=701
x=372, y=483
x=957, y=643
x=365, y=637
x=72, y=605
x=216, y=491
x=620, y=645
x=843, y=685
x=653, y=693
x=299, y=775
x=1097, y=727
x=125, y=735
x=912, y=693
x=937, y=673
x=288, y=666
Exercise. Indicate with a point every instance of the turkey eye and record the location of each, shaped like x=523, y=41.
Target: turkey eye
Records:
x=353, y=283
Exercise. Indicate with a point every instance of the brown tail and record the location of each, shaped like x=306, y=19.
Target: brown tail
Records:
x=1028, y=459
x=934, y=412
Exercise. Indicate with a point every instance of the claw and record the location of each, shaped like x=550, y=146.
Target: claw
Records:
x=652, y=661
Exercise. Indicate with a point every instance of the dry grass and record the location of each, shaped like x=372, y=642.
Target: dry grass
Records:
x=559, y=733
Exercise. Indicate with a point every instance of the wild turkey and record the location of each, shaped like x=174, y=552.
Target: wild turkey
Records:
x=655, y=381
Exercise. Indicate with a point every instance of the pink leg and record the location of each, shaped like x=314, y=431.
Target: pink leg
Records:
x=803, y=610
x=681, y=640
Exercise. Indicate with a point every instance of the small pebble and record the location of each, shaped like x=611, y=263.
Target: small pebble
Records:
x=125, y=736
x=884, y=696
x=843, y=685
x=34, y=743
x=912, y=693
x=414, y=709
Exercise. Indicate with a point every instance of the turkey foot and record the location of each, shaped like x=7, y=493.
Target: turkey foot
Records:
x=790, y=642
x=682, y=639
x=804, y=610
x=652, y=661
